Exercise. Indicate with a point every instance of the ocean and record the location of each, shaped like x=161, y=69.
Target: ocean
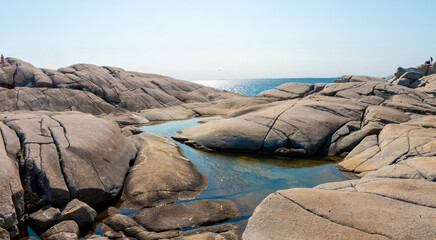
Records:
x=252, y=87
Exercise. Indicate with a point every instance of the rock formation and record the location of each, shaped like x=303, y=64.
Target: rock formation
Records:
x=161, y=174
x=287, y=127
x=93, y=89
x=58, y=163
x=390, y=149
x=61, y=156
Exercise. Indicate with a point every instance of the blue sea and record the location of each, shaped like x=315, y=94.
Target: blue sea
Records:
x=252, y=87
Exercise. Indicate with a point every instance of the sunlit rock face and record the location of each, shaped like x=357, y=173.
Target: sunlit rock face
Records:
x=63, y=156
x=306, y=125
x=94, y=89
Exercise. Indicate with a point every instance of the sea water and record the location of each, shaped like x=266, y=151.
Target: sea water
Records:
x=252, y=87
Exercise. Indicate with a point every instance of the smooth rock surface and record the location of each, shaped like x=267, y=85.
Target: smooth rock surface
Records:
x=183, y=215
x=277, y=217
x=384, y=115
x=53, y=99
x=277, y=127
x=161, y=174
x=288, y=91
x=101, y=89
x=341, y=215
x=69, y=155
x=286, y=127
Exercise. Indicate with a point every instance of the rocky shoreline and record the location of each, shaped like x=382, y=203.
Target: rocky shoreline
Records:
x=59, y=162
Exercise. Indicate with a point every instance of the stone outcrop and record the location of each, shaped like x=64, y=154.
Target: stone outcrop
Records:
x=287, y=127
x=70, y=160
x=53, y=99
x=70, y=155
x=61, y=156
x=391, y=148
x=183, y=215
x=93, y=89
x=12, y=193
x=381, y=209
x=427, y=69
x=161, y=174
x=190, y=110
x=395, y=150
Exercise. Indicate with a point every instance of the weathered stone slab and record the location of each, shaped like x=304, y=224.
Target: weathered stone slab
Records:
x=189, y=214
x=161, y=174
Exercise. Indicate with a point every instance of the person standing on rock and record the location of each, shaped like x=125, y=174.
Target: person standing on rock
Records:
x=431, y=59
x=3, y=61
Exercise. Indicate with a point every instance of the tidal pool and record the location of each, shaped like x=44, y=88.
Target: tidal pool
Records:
x=247, y=180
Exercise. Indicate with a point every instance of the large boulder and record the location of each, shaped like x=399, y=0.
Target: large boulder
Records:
x=183, y=215
x=69, y=155
x=161, y=174
x=283, y=128
x=7, y=76
x=45, y=218
x=410, y=73
x=80, y=212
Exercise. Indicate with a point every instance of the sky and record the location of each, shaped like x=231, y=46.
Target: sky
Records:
x=220, y=39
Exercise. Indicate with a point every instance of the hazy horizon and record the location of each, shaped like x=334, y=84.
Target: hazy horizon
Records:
x=208, y=40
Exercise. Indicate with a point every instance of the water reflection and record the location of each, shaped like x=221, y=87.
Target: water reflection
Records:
x=247, y=180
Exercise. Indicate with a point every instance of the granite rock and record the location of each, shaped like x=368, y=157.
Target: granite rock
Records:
x=102, y=89
x=80, y=212
x=396, y=144
x=183, y=215
x=69, y=155
x=161, y=174
x=12, y=193
x=66, y=230
x=44, y=219
x=383, y=209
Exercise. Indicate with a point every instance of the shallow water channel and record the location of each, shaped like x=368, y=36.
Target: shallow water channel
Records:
x=247, y=180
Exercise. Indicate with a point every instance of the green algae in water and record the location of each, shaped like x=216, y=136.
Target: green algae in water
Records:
x=247, y=179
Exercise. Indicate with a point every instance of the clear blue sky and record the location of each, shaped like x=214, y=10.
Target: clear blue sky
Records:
x=223, y=39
